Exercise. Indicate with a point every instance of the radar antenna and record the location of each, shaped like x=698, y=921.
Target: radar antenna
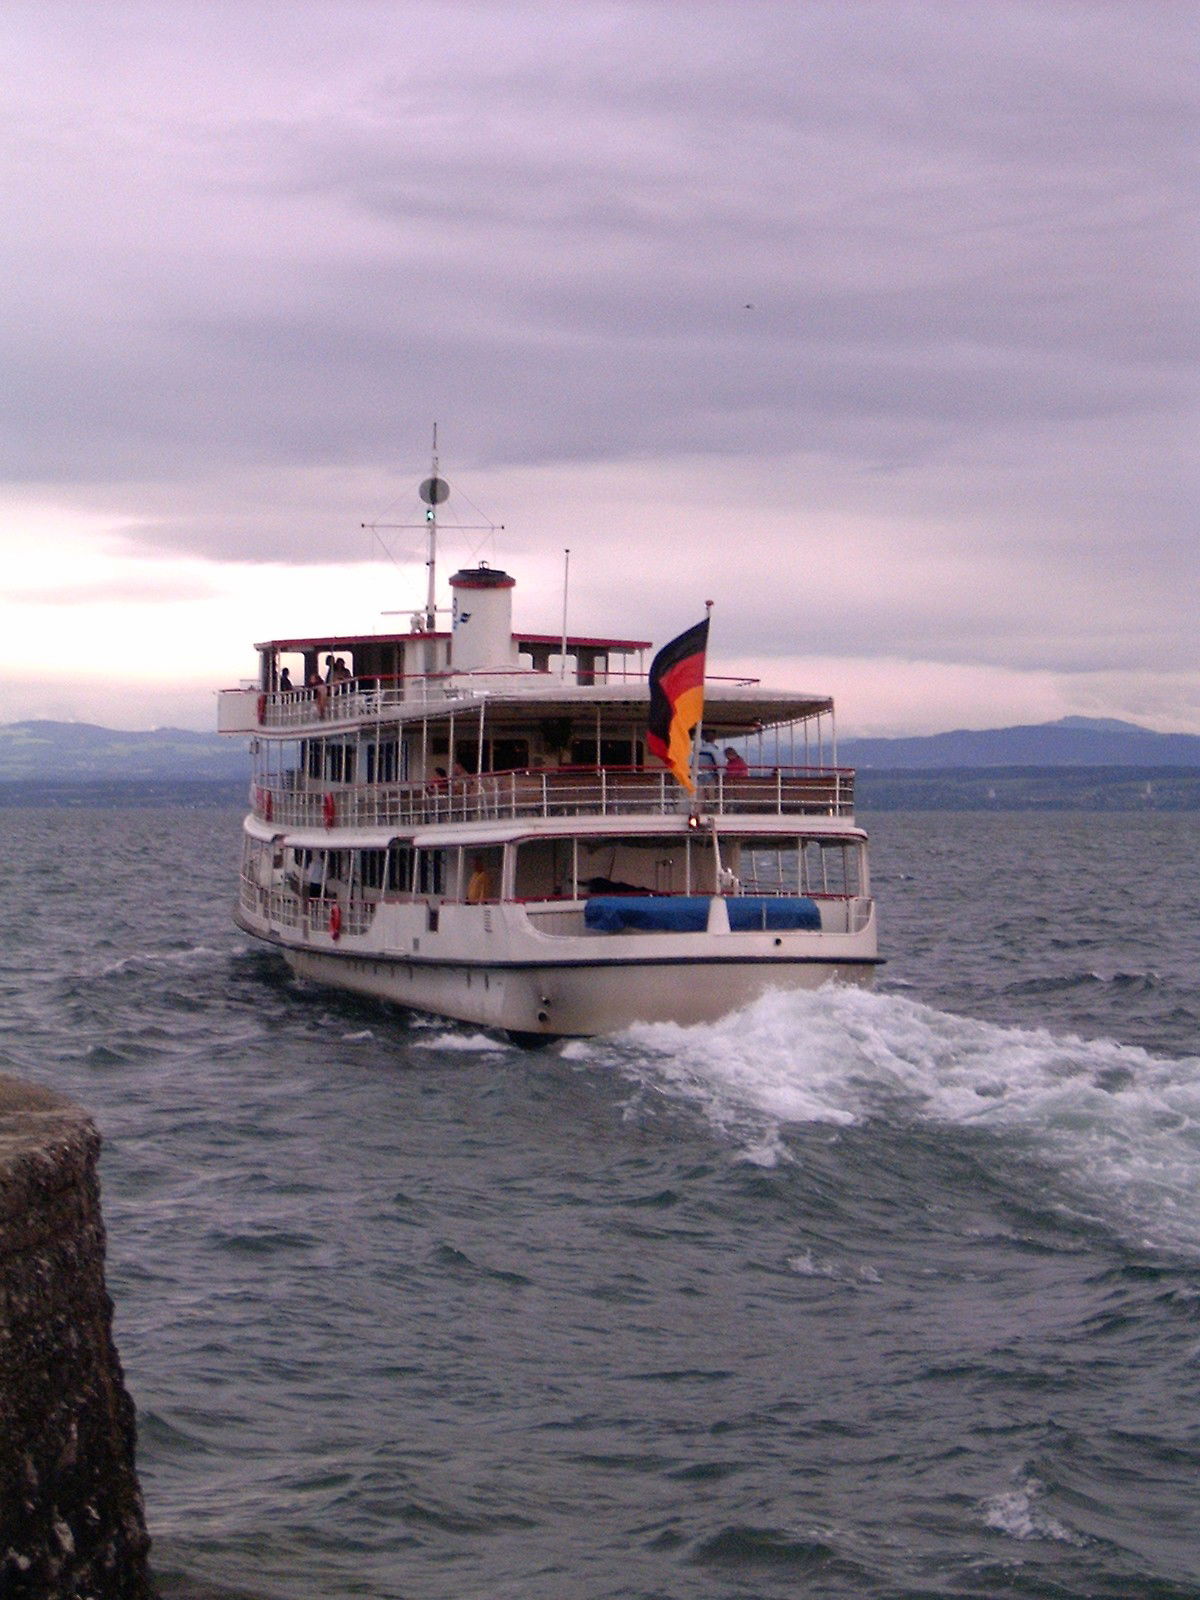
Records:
x=434, y=491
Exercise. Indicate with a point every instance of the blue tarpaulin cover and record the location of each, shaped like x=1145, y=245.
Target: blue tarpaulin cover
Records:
x=688, y=913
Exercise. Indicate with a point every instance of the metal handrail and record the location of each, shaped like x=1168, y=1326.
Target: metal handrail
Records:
x=556, y=792
x=321, y=705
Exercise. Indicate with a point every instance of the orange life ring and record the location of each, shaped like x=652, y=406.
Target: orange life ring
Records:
x=328, y=811
x=335, y=921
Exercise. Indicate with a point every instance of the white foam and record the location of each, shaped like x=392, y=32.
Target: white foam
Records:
x=1018, y=1514
x=1120, y=1123
x=468, y=1042
x=160, y=958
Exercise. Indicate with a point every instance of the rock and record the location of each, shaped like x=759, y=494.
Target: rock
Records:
x=72, y=1525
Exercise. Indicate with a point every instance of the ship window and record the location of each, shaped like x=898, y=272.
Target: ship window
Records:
x=643, y=865
x=431, y=871
x=339, y=763
x=509, y=755
x=799, y=866
x=545, y=870
x=613, y=753
x=371, y=869
x=399, y=868
x=381, y=761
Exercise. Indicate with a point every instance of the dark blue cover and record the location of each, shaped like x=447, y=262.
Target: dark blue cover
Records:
x=688, y=913
x=676, y=913
x=767, y=912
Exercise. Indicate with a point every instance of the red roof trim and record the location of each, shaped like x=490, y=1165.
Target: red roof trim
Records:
x=338, y=641
x=347, y=641
x=588, y=644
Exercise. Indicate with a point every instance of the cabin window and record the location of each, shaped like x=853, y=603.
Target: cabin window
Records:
x=399, y=867
x=371, y=868
x=479, y=874
x=651, y=865
x=613, y=753
x=798, y=866
x=339, y=763
x=545, y=870
x=382, y=761
x=431, y=871
x=509, y=755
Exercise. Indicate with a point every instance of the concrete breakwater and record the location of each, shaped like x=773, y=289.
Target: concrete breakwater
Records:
x=71, y=1516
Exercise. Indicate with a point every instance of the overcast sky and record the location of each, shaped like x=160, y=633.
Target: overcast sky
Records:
x=873, y=322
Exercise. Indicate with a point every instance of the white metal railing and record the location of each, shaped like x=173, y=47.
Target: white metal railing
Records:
x=331, y=704
x=556, y=792
x=283, y=908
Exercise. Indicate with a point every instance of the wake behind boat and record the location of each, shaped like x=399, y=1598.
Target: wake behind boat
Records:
x=532, y=833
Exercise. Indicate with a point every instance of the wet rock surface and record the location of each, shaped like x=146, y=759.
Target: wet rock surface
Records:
x=71, y=1516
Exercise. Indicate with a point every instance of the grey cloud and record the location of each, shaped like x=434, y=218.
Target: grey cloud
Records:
x=967, y=232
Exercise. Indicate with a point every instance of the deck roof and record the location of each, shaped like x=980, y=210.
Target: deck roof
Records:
x=347, y=641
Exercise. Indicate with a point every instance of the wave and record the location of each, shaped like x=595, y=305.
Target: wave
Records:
x=141, y=961
x=1122, y=1125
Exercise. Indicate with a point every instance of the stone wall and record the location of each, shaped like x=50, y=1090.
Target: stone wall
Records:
x=71, y=1518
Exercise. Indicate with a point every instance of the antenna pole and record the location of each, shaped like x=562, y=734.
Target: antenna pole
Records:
x=562, y=671
x=431, y=561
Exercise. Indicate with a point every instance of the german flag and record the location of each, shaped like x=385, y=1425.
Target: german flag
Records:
x=677, y=700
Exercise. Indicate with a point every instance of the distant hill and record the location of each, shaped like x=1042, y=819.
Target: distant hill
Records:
x=80, y=752
x=1070, y=742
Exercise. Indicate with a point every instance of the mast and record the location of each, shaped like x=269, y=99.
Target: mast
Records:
x=433, y=491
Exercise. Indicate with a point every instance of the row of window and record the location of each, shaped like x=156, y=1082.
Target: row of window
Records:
x=571, y=868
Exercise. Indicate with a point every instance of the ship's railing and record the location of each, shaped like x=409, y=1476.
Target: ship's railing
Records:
x=284, y=908
x=326, y=705
x=558, y=792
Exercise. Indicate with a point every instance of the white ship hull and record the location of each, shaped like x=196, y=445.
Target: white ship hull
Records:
x=488, y=966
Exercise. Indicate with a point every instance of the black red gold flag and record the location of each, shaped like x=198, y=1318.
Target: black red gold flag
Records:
x=677, y=700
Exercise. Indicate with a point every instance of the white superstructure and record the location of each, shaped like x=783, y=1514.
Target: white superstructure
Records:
x=469, y=823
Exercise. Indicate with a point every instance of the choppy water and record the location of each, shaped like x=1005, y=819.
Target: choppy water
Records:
x=856, y=1295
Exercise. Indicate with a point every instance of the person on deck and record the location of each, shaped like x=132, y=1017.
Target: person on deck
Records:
x=479, y=888
x=735, y=765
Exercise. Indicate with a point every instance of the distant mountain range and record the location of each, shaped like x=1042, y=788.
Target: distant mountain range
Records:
x=79, y=752
x=1070, y=742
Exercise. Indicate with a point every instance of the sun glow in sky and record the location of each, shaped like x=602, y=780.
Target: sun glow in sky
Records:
x=877, y=325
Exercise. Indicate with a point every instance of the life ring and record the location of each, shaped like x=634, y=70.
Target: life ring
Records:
x=335, y=922
x=262, y=709
x=328, y=811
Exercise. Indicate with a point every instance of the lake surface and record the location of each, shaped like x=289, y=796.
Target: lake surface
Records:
x=890, y=1294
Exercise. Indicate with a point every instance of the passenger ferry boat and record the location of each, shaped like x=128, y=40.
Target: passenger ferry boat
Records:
x=480, y=823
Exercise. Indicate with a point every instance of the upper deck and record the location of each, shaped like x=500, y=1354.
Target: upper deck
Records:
x=486, y=722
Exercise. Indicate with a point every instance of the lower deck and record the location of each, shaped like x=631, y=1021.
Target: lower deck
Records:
x=566, y=932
